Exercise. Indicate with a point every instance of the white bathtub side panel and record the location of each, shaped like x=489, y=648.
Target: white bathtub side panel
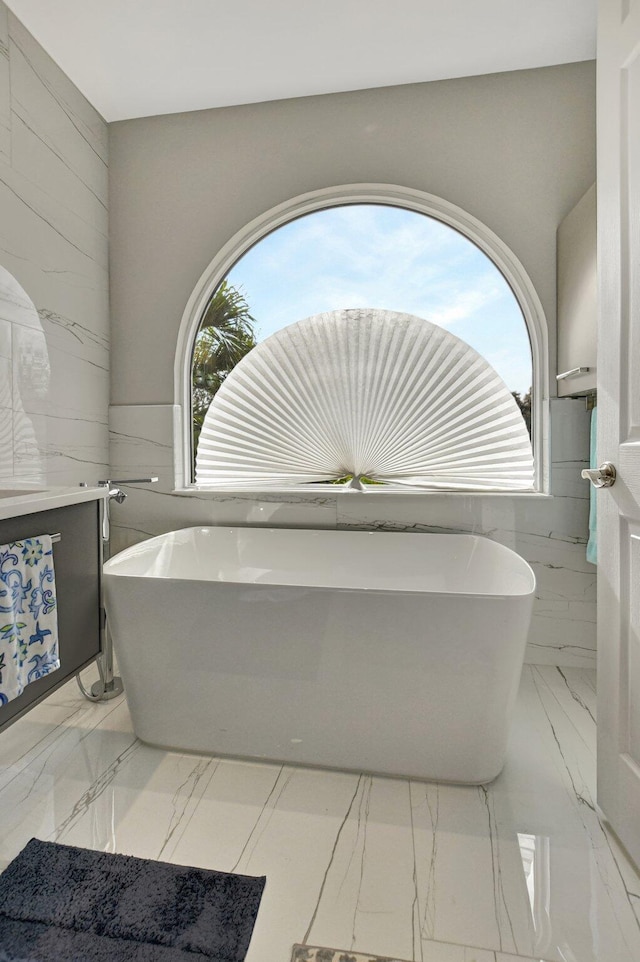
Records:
x=412, y=685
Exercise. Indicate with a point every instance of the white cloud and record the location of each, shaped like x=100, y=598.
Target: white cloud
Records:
x=372, y=256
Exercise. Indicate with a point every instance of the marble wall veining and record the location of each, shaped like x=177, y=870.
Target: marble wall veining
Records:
x=550, y=532
x=53, y=240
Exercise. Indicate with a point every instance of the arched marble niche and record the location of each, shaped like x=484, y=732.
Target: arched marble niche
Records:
x=25, y=374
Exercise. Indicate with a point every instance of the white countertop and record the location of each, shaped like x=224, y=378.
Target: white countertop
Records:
x=18, y=499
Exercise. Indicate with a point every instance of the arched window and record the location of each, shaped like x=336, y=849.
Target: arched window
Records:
x=380, y=247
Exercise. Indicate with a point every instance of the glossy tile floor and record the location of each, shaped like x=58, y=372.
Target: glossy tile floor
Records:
x=435, y=873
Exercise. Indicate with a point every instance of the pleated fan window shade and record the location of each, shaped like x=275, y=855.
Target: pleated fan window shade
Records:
x=371, y=394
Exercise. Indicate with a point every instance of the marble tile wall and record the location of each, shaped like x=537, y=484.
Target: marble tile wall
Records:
x=550, y=532
x=54, y=367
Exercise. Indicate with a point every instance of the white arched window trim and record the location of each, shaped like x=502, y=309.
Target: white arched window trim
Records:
x=391, y=195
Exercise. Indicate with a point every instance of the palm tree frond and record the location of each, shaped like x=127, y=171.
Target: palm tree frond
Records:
x=225, y=335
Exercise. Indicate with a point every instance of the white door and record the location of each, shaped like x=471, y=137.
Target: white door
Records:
x=619, y=418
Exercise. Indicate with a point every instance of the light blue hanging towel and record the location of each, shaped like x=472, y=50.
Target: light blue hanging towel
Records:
x=28, y=615
x=592, y=543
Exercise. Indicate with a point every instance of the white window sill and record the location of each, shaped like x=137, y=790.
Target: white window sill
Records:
x=315, y=491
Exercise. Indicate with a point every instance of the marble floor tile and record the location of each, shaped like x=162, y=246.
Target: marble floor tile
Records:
x=524, y=868
x=501, y=957
x=432, y=952
x=5, y=89
x=446, y=952
x=438, y=952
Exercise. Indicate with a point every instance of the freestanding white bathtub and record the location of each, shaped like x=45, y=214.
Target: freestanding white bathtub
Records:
x=375, y=651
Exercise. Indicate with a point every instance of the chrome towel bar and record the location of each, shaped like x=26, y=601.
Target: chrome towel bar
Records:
x=56, y=537
x=574, y=372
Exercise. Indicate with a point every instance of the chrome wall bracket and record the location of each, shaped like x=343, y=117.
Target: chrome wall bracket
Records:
x=109, y=685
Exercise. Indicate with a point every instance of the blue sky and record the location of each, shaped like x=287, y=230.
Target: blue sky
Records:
x=366, y=255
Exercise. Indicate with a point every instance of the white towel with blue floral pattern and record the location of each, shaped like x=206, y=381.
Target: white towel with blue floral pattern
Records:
x=28, y=615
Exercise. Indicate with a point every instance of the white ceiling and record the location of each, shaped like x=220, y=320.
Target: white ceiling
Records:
x=135, y=58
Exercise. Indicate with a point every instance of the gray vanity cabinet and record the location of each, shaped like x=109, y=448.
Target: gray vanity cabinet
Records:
x=76, y=559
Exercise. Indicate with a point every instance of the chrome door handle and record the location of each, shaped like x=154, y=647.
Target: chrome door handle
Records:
x=602, y=477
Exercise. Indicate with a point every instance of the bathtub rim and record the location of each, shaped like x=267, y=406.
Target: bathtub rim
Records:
x=110, y=567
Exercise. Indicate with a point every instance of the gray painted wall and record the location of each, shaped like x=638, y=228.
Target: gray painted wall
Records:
x=53, y=240
x=517, y=150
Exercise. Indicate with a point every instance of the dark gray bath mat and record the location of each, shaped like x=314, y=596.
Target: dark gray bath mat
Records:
x=59, y=903
x=315, y=953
